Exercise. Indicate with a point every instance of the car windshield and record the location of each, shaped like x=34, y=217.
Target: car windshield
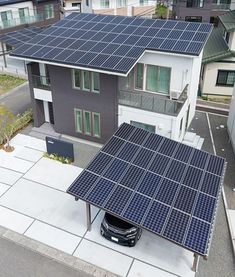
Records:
x=118, y=222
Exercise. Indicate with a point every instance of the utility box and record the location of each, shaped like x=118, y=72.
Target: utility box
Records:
x=60, y=148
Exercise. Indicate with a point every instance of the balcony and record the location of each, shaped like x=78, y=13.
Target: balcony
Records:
x=41, y=82
x=220, y=7
x=21, y=21
x=153, y=102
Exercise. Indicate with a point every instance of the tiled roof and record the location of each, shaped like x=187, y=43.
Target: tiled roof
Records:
x=228, y=21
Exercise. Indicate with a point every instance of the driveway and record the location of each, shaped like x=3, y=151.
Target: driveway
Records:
x=33, y=202
x=18, y=99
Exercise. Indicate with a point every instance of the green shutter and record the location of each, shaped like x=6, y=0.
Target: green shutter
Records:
x=139, y=76
x=164, y=80
x=77, y=78
x=152, y=78
x=86, y=80
x=96, y=81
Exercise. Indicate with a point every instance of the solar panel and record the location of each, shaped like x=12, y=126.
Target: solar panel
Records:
x=157, y=184
x=136, y=34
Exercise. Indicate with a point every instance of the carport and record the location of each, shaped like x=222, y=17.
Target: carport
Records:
x=17, y=38
x=157, y=184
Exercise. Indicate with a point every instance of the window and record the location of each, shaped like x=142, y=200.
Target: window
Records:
x=86, y=80
x=96, y=124
x=143, y=2
x=157, y=78
x=226, y=36
x=6, y=18
x=49, y=11
x=144, y=126
x=78, y=121
x=225, y=78
x=104, y=3
x=23, y=14
x=77, y=5
x=121, y=3
x=87, y=3
x=95, y=82
x=87, y=123
x=139, y=76
x=77, y=78
x=195, y=3
x=9, y=48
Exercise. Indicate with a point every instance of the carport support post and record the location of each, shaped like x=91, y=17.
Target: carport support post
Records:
x=88, y=216
x=4, y=55
x=195, y=262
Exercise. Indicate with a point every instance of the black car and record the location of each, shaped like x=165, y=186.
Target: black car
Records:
x=119, y=231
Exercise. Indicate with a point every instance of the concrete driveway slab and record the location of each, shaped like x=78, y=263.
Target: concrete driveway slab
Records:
x=48, y=205
x=53, y=174
x=30, y=142
x=14, y=221
x=140, y=269
x=151, y=249
x=3, y=188
x=53, y=237
x=103, y=257
x=8, y=176
x=28, y=154
x=15, y=164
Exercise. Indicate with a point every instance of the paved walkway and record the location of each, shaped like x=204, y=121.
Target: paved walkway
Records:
x=34, y=202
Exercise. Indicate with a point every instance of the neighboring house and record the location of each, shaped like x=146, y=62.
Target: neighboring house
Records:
x=124, y=7
x=80, y=6
x=231, y=121
x=201, y=10
x=90, y=73
x=218, y=62
x=16, y=14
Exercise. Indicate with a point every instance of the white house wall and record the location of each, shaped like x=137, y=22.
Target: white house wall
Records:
x=14, y=8
x=210, y=77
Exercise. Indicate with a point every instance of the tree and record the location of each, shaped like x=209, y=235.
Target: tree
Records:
x=161, y=10
x=7, y=119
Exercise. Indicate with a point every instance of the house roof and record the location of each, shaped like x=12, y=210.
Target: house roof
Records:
x=228, y=20
x=20, y=36
x=112, y=44
x=216, y=47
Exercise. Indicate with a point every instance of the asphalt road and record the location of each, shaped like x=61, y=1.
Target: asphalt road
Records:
x=17, y=261
x=17, y=100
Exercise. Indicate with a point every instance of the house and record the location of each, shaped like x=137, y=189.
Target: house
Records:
x=90, y=73
x=201, y=10
x=15, y=14
x=218, y=62
x=124, y=7
x=80, y=6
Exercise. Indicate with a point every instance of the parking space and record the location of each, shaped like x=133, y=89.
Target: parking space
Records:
x=33, y=202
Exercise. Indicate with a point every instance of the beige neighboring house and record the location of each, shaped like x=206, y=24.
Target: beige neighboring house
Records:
x=124, y=7
x=218, y=62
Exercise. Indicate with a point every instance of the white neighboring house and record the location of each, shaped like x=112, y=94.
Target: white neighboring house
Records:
x=124, y=7
x=218, y=70
x=80, y=6
x=231, y=120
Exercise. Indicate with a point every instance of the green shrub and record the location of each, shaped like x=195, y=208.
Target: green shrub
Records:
x=55, y=157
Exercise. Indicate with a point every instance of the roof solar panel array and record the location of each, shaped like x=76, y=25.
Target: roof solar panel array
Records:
x=113, y=43
x=157, y=184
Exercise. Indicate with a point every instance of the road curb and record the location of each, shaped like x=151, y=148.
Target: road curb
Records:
x=13, y=90
x=54, y=254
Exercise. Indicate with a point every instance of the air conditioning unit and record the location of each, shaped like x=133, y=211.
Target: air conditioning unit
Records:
x=175, y=94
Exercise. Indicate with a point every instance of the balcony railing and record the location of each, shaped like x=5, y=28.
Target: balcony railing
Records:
x=41, y=82
x=220, y=7
x=153, y=102
x=21, y=21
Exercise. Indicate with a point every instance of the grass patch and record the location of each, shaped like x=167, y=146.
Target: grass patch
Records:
x=8, y=82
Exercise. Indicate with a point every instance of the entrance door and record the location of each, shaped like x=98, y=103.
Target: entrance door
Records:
x=48, y=112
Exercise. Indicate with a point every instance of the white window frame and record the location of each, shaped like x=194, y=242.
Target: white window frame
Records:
x=75, y=116
x=93, y=124
x=84, y=123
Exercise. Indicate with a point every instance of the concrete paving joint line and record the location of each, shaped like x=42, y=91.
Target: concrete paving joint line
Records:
x=54, y=254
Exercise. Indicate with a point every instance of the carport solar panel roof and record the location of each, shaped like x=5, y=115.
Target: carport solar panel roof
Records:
x=21, y=36
x=157, y=184
x=112, y=43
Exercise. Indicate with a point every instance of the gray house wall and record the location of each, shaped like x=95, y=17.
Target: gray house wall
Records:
x=181, y=10
x=65, y=99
